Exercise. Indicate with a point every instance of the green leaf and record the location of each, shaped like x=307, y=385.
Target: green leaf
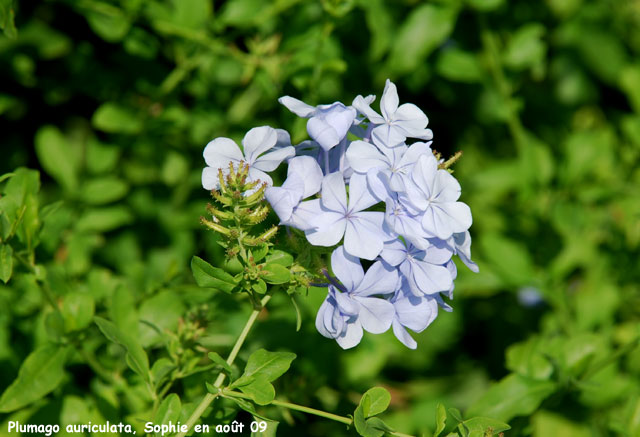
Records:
x=40, y=373
x=259, y=252
x=123, y=310
x=56, y=157
x=248, y=407
x=212, y=277
x=379, y=399
x=441, y=419
x=526, y=48
x=104, y=219
x=362, y=425
x=459, y=66
x=270, y=365
x=216, y=358
x=510, y=259
x=160, y=370
x=424, y=30
x=77, y=311
x=378, y=424
x=114, y=118
x=168, y=411
x=259, y=286
x=276, y=274
x=136, y=356
x=629, y=80
x=103, y=190
x=6, y=262
x=260, y=390
x=455, y=413
x=545, y=423
x=111, y=26
x=482, y=426
x=280, y=257
x=101, y=158
x=162, y=311
x=485, y=5
x=515, y=395
x=527, y=359
x=7, y=18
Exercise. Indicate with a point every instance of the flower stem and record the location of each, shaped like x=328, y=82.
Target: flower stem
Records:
x=308, y=410
x=204, y=404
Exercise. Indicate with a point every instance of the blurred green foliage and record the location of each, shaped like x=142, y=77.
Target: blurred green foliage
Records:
x=113, y=101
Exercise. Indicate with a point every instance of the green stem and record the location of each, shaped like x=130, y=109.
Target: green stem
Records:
x=204, y=404
x=504, y=88
x=308, y=410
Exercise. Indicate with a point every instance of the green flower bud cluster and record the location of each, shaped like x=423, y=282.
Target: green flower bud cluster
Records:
x=239, y=207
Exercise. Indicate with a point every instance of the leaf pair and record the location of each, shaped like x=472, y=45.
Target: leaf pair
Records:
x=373, y=402
x=261, y=370
x=474, y=427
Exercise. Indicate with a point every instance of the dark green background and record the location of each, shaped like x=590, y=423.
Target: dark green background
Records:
x=113, y=102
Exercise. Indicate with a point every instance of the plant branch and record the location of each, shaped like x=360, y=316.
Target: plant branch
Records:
x=303, y=409
x=204, y=404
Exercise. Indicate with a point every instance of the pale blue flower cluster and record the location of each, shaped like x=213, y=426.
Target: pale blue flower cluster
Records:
x=359, y=186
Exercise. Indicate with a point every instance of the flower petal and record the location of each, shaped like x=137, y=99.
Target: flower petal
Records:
x=360, y=197
x=364, y=236
x=323, y=133
x=329, y=229
x=307, y=169
x=363, y=156
x=219, y=152
x=296, y=106
x=388, y=135
x=259, y=175
x=303, y=215
x=270, y=161
x=402, y=335
x=347, y=268
x=375, y=314
x=282, y=200
x=394, y=252
x=416, y=313
x=210, y=178
x=363, y=106
x=334, y=192
x=381, y=278
x=389, y=101
x=257, y=141
x=351, y=336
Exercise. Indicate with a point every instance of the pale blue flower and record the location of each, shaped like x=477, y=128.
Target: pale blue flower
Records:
x=435, y=192
x=424, y=270
x=328, y=124
x=397, y=123
x=304, y=178
x=412, y=312
x=398, y=218
x=350, y=306
x=335, y=217
x=395, y=162
x=256, y=143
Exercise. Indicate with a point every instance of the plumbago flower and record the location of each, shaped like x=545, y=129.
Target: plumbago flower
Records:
x=350, y=306
x=221, y=151
x=377, y=195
